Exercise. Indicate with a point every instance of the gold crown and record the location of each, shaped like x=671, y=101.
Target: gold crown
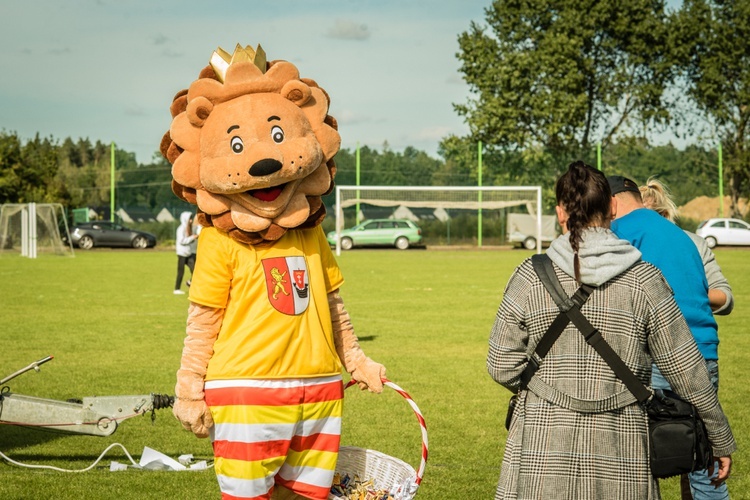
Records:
x=221, y=59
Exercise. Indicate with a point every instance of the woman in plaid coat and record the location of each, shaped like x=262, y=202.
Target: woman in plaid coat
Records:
x=577, y=432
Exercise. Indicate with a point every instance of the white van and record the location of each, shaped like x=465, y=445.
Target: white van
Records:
x=522, y=232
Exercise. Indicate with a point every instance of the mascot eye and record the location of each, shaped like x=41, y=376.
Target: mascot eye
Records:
x=277, y=135
x=237, y=144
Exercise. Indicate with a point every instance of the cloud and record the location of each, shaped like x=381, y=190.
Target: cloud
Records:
x=432, y=133
x=160, y=39
x=171, y=53
x=455, y=79
x=135, y=110
x=350, y=117
x=348, y=30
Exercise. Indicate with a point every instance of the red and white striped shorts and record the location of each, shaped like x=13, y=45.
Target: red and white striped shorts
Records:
x=271, y=432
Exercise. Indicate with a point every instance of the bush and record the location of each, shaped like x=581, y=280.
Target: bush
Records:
x=687, y=223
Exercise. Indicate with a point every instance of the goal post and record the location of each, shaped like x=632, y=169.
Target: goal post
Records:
x=28, y=228
x=442, y=203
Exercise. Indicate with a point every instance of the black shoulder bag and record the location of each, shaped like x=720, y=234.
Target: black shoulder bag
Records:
x=678, y=440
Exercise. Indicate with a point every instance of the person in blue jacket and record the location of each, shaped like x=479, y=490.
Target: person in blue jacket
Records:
x=667, y=247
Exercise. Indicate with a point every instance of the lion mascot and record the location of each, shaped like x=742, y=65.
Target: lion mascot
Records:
x=252, y=145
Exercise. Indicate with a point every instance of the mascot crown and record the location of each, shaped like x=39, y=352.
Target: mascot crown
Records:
x=221, y=59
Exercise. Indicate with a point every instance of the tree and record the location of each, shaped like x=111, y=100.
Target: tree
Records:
x=558, y=75
x=40, y=158
x=419, y=166
x=528, y=167
x=147, y=186
x=84, y=170
x=460, y=160
x=715, y=63
x=636, y=159
x=389, y=168
x=27, y=171
x=12, y=169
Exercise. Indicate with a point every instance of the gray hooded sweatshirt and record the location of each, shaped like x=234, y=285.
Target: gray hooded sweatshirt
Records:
x=601, y=255
x=185, y=245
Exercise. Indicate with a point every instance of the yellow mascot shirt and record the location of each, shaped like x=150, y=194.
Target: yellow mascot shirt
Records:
x=276, y=320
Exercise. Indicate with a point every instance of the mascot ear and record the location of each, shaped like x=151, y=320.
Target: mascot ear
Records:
x=198, y=110
x=296, y=91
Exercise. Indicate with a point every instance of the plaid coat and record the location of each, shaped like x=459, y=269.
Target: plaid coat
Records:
x=577, y=431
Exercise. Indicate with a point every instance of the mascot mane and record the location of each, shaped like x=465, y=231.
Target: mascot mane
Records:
x=199, y=174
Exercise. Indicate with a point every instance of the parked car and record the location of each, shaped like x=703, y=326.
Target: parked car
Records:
x=724, y=232
x=98, y=233
x=401, y=233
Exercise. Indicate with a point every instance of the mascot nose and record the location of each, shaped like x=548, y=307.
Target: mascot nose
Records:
x=265, y=167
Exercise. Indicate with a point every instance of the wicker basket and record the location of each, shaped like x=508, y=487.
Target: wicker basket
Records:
x=387, y=472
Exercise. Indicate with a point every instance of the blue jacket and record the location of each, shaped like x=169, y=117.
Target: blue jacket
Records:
x=667, y=247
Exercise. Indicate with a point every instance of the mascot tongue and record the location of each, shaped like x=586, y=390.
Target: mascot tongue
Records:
x=268, y=194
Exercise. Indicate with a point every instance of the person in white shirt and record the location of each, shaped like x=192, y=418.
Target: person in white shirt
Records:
x=186, y=244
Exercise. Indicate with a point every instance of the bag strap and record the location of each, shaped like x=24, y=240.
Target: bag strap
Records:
x=561, y=321
x=570, y=308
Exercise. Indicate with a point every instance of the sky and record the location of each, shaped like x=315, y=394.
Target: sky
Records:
x=107, y=70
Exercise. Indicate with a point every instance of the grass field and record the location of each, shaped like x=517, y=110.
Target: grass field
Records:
x=115, y=328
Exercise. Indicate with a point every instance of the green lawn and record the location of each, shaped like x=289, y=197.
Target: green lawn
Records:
x=115, y=328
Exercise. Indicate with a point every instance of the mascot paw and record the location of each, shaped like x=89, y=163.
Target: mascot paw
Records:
x=194, y=416
x=370, y=375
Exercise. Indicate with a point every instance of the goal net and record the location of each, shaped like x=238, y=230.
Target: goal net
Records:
x=29, y=228
x=474, y=216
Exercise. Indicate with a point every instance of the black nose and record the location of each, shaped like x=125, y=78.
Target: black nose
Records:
x=265, y=167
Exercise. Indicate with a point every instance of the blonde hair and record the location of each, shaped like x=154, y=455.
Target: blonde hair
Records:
x=656, y=196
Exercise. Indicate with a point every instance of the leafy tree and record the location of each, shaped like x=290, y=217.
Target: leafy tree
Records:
x=40, y=158
x=711, y=51
x=554, y=76
x=389, y=168
x=459, y=167
x=637, y=159
x=12, y=169
x=345, y=168
x=532, y=166
x=148, y=186
x=418, y=166
x=27, y=170
x=85, y=171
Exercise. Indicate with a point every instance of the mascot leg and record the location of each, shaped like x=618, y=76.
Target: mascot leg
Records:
x=284, y=431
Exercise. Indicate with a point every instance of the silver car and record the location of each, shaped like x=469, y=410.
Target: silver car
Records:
x=108, y=234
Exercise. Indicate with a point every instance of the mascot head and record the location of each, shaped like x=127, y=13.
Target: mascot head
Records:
x=252, y=145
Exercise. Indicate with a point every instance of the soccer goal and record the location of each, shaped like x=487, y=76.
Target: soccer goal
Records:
x=448, y=215
x=30, y=228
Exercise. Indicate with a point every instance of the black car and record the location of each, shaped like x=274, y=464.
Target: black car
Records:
x=108, y=234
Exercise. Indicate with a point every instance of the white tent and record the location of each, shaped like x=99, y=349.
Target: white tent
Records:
x=165, y=216
x=123, y=215
x=403, y=212
x=441, y=214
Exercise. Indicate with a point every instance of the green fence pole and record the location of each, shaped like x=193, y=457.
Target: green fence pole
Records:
x=112, y=183
x=356, y=163
x=479, y=210
x=599, y=155
x=721, y=183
